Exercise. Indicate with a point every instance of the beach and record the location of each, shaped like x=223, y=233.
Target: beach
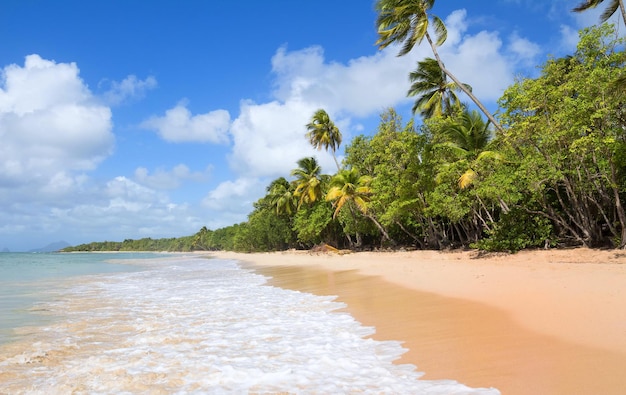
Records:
x=535, y=322
x=190, y=325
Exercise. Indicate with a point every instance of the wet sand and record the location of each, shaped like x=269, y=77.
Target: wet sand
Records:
x=532, y=323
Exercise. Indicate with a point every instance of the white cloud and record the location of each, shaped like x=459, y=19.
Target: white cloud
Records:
x=233, y=200
x=129, y=88
x=50, y=125
x=270, y=138
x=524, y=50
x=179, y=125
x=569, y=39
x=360, y=87
x=127, y=209
x=164, y=179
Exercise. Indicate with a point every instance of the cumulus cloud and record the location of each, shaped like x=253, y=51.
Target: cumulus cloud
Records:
x=130, y=87
x=124, y=208
x=359, y=87
x=50, y=124
x=172, y=179
x=179, y=125
x=269, y=138
x=233, y=199
x=524, y=50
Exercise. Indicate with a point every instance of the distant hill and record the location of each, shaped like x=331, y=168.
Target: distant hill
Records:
x=5, y=250
x=52, y=247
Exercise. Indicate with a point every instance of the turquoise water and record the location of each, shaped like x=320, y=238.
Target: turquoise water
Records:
x=28, y=279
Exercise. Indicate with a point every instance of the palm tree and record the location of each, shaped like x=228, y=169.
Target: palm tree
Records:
x=437, y=96
x=200, y=238
x=469, y=139
x=322, y=133
x=608, y=12
x=407, y=22
x=308, y=181
x=349, y=186
x=281, y=196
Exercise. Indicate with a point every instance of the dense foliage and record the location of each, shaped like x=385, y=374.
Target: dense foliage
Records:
x=553, y=174
x=145, y=244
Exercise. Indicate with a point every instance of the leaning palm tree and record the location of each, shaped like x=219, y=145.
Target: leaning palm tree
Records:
x=349, y=187
x=436, y=96
x=469, y=139
x=407, y=22
x=308, y=181
x=200, y=238
x=608, y=12
x=322, y=133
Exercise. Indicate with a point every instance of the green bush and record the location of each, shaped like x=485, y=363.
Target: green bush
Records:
x=517, y=230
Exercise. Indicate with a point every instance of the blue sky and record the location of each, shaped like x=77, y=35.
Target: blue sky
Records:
x=128, y=119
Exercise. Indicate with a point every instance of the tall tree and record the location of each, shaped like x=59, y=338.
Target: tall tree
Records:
x=281, y=196
x=575, y=172
x=308, y=181
x=351, y=188
x=322, y=133
x=348, y=186
x=407, y=22
x=469, y=137
x=436, y=96
x=611, y=8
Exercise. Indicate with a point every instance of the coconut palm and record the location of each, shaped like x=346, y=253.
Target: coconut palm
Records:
x=436, y=96
x=199, y=239
x=308, y=181
x=281, y=195
x=406, y=22
x=322, y=133
x=612, y=7
x=349, y=186
x=469, y=139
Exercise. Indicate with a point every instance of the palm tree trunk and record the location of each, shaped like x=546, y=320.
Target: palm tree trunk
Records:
x=623, y=9
x=336, y=161
x=461, y=86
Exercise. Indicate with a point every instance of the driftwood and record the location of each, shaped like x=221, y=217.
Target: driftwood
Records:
x=325, y=248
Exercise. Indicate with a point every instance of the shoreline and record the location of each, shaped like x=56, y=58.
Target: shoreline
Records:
x=554, y=319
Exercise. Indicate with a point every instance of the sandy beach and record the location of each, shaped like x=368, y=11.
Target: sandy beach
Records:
x=536, y=322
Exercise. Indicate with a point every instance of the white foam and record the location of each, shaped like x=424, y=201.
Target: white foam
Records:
x=207, y=326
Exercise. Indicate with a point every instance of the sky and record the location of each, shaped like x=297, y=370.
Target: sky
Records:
x=124, y=119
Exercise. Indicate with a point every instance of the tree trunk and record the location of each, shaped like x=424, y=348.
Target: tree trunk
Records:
x=618, y=204
x=380, y=228
x=461, y=86
x=411, y=235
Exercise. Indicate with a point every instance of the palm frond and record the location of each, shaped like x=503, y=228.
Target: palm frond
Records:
x=441, y=33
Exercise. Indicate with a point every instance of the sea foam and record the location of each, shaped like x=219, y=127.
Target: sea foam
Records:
x=191, y=325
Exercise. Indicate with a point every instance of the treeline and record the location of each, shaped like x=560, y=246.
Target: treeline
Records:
x=551, y=172
x=183, y=244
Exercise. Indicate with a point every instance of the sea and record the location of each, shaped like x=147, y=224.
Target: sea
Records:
x=140, y=323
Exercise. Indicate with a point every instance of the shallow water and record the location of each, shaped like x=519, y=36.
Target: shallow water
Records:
x=194, y=325
x=27, y=278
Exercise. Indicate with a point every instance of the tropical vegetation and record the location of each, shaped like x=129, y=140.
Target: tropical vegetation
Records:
x=550, y=171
